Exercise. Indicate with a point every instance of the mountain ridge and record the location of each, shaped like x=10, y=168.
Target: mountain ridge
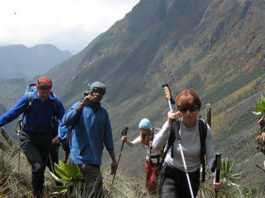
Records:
x=19, y=61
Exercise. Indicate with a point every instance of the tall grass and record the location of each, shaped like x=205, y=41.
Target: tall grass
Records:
x=15, y=182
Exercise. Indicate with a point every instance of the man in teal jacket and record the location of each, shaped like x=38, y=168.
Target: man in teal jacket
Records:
x=92, y=130
x=36, y=137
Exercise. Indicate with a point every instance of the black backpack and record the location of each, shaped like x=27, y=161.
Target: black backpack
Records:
x=172, y=137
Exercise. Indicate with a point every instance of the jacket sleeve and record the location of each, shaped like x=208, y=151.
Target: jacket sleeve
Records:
x=15, y=111
x=63, y=131
x=161, y=137
x=70, y=117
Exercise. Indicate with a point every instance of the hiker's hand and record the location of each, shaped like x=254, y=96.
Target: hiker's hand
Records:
x=124, y=138
x=217, y=185
x=55, y=140
x=113, y=167
x=172, y=115
x=150, y=143
x=88, y=100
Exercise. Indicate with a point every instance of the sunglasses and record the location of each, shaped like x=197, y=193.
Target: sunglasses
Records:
x=190, y=108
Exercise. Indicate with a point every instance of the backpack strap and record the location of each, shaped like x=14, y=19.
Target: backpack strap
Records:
x=55, y=122
x=174, y=134
x=170, y=142
x=30, y=100
x=27, y=109
x=203, y=134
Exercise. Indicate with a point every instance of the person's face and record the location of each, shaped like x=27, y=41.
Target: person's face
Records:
x=144, y=131
x=96, y=95
x=43, y=94
x=189, y=115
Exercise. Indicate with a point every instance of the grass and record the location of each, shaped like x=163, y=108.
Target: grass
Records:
x=15, y=183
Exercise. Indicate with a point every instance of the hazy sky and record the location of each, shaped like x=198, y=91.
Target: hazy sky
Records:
x=68, y=24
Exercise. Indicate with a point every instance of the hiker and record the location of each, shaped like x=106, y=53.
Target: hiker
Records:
x=152, y=157
x=36, y=138
x=91, y=132
x=65, y=132
x=173, y=182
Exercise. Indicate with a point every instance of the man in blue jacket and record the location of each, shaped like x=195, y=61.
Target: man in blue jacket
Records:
x=92, y=130
x=36, y=137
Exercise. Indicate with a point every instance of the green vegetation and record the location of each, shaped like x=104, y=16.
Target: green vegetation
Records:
x=16, y=183
x=70, y=176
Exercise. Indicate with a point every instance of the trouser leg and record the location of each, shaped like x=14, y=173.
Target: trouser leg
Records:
x=175, y=183
x=93, y=179
x=150, y=169
x=195, y=183
x=36, y=150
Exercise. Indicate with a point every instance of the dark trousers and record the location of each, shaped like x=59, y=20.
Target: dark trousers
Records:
x=36, y=148
x=174, y=183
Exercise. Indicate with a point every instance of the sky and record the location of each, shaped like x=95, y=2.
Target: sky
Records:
x=68, y=24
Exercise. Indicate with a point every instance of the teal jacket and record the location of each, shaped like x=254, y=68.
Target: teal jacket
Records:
x=91, y=132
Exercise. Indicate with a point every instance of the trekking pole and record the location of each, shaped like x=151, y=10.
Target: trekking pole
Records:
x=19, y=131
x=51, y=163
x=123, y=133
x=178, y=138
x=218, y=168
x=18, y=168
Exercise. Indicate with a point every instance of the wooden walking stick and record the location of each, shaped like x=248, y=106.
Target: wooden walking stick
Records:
x=218, y=168
x=209, y=114
x=178, y=138
x=123, y=133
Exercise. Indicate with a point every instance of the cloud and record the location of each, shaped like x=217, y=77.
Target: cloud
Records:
x=69, y=24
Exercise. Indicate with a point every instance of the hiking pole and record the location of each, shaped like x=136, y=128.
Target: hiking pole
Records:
x=51, y=163
x=19, y=131
x=178, y=138
x=218, y=168
x=123, y=133
x=168, y=96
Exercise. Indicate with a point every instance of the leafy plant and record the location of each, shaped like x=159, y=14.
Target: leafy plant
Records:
x=260, y=137
x=71, y=178
x=260, y=106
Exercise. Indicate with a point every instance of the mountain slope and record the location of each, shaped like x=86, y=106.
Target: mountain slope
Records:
x=18, y=61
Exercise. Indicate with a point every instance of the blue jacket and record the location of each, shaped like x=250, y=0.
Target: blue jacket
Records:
x=90, y=134
x=63, y=131
x=39, y=118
